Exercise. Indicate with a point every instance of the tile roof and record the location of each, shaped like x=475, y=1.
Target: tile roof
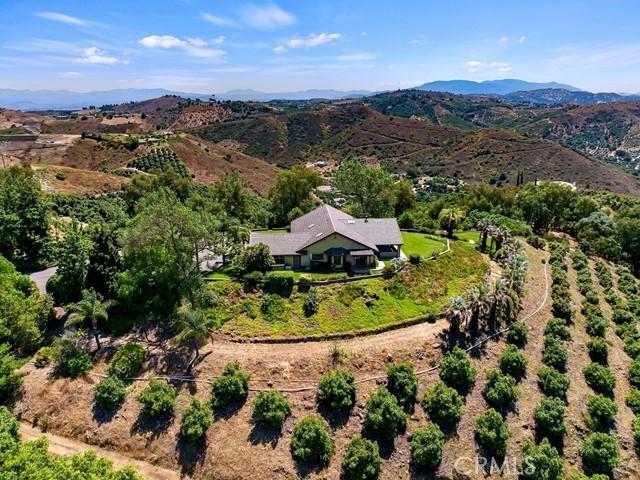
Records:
x=326, y=220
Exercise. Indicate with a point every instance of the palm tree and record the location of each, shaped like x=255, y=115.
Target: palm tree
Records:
x=193, y=327
x=515, y=271
x=484, y=226
x=504, y=304
x=91, y=309
x=457, y=313
x=478, y=302
x=450, y=218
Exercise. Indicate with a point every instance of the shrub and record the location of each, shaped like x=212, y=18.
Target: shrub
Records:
x=554, y=354
x=600, y=453
x=337, y=390
x=110, y=393
x=361, y=460
x=536, y=242
x=255, y=257
x=518, y=334
x=549, y=417
x=10, y=379
x=601, y=411
x=600, y=379
x=426, y=447
x=402, y=383
x=634, y=373
x=621, y=316
x=159, y=398
x=443, y=404
x=500, y=391
x=385, y=416
x=272, y=306
x=311, y=441
x=596, y=326
x=271, y=409
x=636, y=431
x=553, y=383
x=195, y=421
x=44, y=356
x=127, y=362
x=562, y=309
x=311, y=302
x=541, y=462
x=456, y=370
x=252, y=280
x=557, y=327
x=632, y=348
x=492, y=433
x=415, y=259
x=592, y=297
x=71, y=358
x=598, y=351
x=633, y=401
x=230, y=387
x=280, y=283
x=513, y=363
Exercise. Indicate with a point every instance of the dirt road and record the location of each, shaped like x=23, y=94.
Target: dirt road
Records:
x=67, y=446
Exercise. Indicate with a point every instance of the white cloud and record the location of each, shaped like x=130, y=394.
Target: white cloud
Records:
x=475, y=66
x=504, y=40
x=63, y=18
x=418, y=40
x=218, y=21
x=162, y=41
x=267, y=17
x=522, y=39
x=219, y=40
x=194, y=47
x=70, y=75
x=94, y=55
x=313, y=40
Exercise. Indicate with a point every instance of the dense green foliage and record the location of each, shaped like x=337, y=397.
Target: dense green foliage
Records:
x=361, y=460
x=598, y=351
x=492, y=433
x=426, y=447
x=513, y=363
x=443, y=404
x=127, y=362
x=158, y=160
x=500, y=390
x=549, y=417
x=337, y=390
x=70, y=356
x=600, y=379
x=110, y=393
x=553, y=383
x=541, y=462
x=601, y=411
x=158, y=398
x=385, y=417
x=195, y=421
x=402, y=383
x=600, y=453
x=554, y=354
x=230, y=387
x=456, y=370
x=518, y=334
x=271, y=409
x=311, y=441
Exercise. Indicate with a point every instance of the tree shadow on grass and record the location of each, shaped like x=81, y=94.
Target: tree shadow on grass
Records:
x=264, y=435
x=190, y=455
x=304, y=469
x=151, y=427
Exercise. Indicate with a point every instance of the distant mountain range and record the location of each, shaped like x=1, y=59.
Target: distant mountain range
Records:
x=495, y=87
x=511, y=89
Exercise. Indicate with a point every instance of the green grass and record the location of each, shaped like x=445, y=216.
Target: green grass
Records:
x=422, y=244
x=272, y=232
x=469, y=235
x=366, y=304
x=220, y=274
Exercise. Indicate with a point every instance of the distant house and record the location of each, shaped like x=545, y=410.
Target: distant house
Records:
x=327, y=237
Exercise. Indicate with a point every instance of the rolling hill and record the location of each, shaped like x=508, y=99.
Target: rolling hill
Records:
x=498, y=87
x=554, y=96
x=414, y=145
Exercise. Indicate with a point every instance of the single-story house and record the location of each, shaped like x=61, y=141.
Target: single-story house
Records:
x=327, y=237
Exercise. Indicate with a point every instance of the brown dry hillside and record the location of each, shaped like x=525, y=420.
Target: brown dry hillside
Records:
x=74, y=181
x=209, y=161
x=416, y=145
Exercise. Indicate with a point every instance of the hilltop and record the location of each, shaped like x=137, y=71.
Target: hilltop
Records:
x=414, y=146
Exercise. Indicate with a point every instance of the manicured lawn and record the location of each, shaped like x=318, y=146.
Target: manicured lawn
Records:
x=469, y=235
x=366, y=304
x=422, y=244
x=273, y=232
x=220, y=274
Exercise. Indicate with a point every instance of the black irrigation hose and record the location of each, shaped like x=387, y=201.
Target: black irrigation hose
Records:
x=307, y=388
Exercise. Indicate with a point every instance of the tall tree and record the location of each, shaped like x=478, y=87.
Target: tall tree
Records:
x=105, y=261
x=450, y=218
x=194, y=328
x=91, y=309
x=371, y=188
x=24, y=217
x=293, y=189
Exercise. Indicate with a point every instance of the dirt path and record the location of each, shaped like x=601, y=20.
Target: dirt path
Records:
x=67, y=446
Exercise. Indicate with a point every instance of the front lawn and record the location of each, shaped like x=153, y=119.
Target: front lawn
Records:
x=472, y=235
x=366, y=304
x=422, y=244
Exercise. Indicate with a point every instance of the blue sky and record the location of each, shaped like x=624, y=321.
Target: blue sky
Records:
x=215, y=46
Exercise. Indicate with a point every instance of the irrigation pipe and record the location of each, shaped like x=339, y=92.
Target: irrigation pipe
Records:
x=190, y=379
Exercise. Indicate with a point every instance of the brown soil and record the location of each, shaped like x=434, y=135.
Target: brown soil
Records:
x=77, y=181
x=234, y=448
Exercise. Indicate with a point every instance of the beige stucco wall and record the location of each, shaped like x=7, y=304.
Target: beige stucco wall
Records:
x=335, y=241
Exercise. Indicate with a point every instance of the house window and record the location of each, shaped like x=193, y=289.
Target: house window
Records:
x=361, y=261
x=317, y=257
x=278, y=259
